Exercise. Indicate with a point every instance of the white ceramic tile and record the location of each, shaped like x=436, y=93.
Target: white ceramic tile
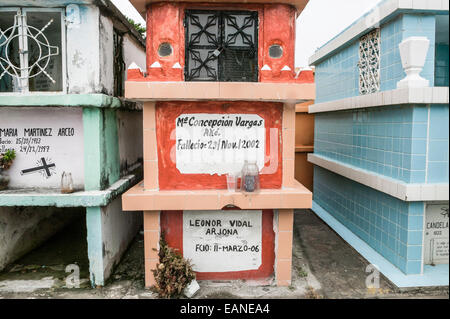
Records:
x=413, y=192
x=379, y=99
x=440, y=95
x=379, y=183
x=393, y=187
x=420, y=4
x=433, y=4
x=427, y=192
x=405, y=3
x=428, y=95
x=416, y=95
x=388, y=98
x=389, y=7
x=385, y=185
x=442, y=192
x=397, y=96
x=401, y=191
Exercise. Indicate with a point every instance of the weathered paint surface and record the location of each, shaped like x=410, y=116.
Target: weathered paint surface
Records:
x=69, y=100
x=102, y=164
x=171, y=178
x=89, y=56
x=106, y=28
x=129, y=130
x=165, y=24
x=110, y=231
x=279, y=28
x=54, y=134
x=118, y=230
x=133, y=52
x=95, y=245
x=50, y=198
x=83, y=67
x=172, y=226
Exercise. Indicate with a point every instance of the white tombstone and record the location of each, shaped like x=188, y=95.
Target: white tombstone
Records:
x=436, y=234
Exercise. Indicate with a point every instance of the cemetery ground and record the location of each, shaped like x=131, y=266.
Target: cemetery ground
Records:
x=324, y=266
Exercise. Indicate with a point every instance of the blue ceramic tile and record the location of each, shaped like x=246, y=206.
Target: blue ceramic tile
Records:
x=414, y=252
x=438, y=172
x=415, y=222
x=414, y=237
x=416, y=208
x=413, y=267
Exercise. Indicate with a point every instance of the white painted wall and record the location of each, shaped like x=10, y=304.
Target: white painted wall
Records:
x=118, y=230
x=133, y=52
x=130, y=140
x=83, y=51
x=106, y=28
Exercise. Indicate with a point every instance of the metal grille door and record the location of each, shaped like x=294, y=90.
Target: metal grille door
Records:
x=221, y=46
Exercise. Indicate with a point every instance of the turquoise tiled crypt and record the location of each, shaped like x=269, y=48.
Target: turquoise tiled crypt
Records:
x=382, y=146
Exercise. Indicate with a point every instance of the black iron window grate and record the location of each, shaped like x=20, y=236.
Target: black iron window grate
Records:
x=221, y=46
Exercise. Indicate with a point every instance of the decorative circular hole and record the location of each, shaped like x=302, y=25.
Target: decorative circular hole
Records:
x=276, y=51
x=165, y=49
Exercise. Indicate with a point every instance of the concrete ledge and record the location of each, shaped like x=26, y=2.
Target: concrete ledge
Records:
x=65, y=100
x=427, y=95
x=153, y=200
x=52, y=197
x=432, y=276
x=392, y=187
x=219, y=91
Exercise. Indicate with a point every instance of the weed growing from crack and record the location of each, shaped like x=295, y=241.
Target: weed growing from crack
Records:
x=302, y=272
x=312, y=294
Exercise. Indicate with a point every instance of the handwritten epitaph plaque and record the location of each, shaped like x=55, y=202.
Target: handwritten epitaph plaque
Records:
x=436, y=234
x=47, y=141
x=219, y=143
x=223, y=241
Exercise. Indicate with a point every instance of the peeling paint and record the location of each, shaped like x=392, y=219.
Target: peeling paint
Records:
x=77, y=59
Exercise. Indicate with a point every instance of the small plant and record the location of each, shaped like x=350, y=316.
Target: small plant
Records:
x=173, y=273
x=312, y=294
x=302, y=273
x=7, y=158
x=139, y=28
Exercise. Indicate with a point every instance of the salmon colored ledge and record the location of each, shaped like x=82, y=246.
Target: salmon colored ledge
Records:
x=172, y=226
x=137, y=198
x=141, y=5
x=220, y=91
